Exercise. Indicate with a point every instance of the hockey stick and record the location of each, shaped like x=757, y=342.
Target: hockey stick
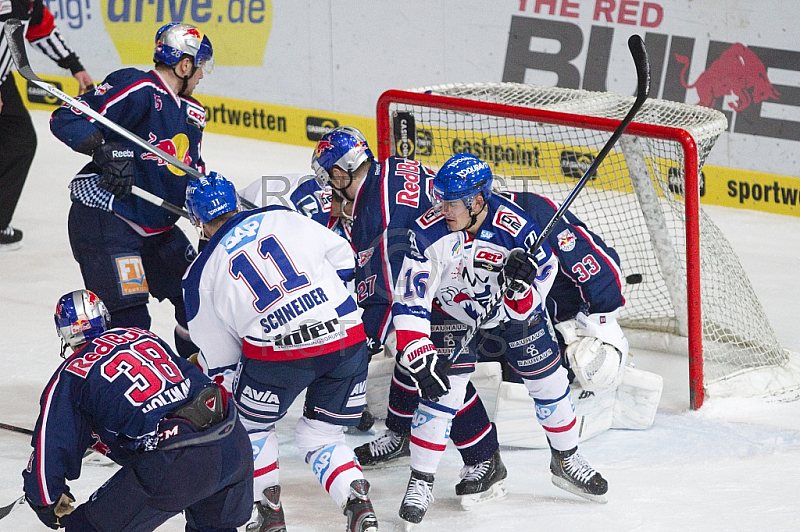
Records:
x=640, y=59
x=14, y=428
x=5, y=510
x=15, y=34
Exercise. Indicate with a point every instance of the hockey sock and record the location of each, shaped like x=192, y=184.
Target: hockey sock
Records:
x=554, y=409
x=334, y=463
x=473, y=434
x=430, y=427
x=403, y=400
x=265, y=461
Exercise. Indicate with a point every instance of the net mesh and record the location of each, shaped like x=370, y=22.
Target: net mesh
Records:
x=644, y=222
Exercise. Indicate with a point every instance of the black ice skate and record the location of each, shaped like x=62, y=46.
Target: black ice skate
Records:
x=358, y=509
x=10, y=239
x=270, y=515
x=482, y=482
x=571, y=472
x=386, y=448
x=419, y=494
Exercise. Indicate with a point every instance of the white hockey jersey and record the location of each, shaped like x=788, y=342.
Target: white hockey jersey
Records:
x=270, y=286
x=461, y=273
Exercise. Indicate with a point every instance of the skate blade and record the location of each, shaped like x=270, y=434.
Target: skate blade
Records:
x=497, y=492
x=567, y=486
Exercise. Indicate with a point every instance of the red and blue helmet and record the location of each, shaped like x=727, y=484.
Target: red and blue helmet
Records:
x=80, y=316
x=174, y=40
x=345, y=147
x=209, y=197
x=462, y=177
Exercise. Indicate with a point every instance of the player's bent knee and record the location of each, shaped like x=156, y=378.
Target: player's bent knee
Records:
x=549, y=387
x=311, y=434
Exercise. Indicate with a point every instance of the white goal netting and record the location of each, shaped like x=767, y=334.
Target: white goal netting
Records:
x=542, y=139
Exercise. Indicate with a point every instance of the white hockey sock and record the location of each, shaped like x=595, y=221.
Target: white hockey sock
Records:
x=265, y=461
x=334, y=464
x=554, y=409
x=430, y=426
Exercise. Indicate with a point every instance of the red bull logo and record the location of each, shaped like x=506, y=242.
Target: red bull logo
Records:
x=177, y=146
x=322, y=147
x=194, y=32
x=80, y=326
x=738, y=71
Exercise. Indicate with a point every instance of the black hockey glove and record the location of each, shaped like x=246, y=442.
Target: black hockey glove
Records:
x=427, y=369
x=51, y=515
x=520, y=271
x=116, y=161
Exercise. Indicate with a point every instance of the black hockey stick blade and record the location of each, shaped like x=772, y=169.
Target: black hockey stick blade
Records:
x=14, y=428
x=5, y=510
x=642, y=63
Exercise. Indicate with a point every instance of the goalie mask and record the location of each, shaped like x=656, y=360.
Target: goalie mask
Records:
x=209, y=197
x=80, y=316
x=345, y=147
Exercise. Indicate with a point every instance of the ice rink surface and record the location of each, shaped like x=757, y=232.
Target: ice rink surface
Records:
x=733, y=465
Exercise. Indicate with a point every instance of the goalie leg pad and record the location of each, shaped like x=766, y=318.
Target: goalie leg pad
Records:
x=637, y=399
x=430, y=426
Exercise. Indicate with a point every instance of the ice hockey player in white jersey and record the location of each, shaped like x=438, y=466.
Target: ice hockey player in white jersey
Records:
x=461, y=257
x=267, y=300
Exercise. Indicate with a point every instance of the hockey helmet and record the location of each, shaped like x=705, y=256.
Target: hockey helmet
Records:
x=174, y=40
x=462, y=177
x=80, y=316
x=345, y=147
x=209, y=197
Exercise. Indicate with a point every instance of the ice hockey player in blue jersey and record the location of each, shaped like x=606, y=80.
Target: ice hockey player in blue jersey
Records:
x=267, y=305
x=461, y=254
x=126, y=247
x=125, y=394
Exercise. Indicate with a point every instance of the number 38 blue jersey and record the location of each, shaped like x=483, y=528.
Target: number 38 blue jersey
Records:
x=111, y=395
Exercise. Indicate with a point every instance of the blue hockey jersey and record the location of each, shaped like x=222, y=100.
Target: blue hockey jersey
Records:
x=590, y=278
x=393, y=195
x=142, y=103
x=110, y=395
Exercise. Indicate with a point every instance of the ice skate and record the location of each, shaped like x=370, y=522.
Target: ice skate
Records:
x=384, y=450
x=482, y=482
x=419, y=494
x=358, y=509
x=270, y=514
x=571, y=472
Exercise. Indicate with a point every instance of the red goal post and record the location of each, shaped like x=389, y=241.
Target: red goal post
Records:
x=643, y=200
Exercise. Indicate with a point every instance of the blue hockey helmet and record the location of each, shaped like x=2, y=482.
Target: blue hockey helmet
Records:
x=175, y=40
x=462, y=177
x=209, y=197
x=80, y=316
x=345, y=147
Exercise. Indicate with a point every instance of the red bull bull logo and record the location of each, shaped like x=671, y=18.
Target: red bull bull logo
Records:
x=737, y=71
x=177, y=146
x=322, y=147
x=194, y=32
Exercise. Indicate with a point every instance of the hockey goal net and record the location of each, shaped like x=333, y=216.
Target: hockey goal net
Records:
x=683, y=283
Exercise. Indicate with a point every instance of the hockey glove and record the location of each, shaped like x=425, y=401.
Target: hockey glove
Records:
x=520, y=271
x=51, y=515
x=427, y=369
x=116, y=163
x=596, y=350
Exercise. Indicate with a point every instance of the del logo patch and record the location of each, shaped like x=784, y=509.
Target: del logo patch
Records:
x=508, y=220
x=566, y=240
x=130, y=274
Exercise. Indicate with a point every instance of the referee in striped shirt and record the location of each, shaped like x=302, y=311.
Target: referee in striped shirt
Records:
x=17, y=136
